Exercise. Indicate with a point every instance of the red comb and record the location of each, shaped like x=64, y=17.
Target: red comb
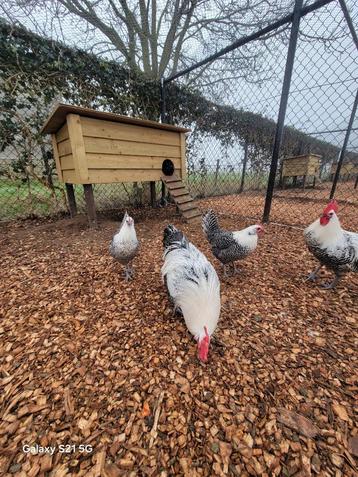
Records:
x=331, y=206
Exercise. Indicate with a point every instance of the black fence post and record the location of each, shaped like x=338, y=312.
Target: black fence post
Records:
x=349, y=21
x=283, y=106
x=243, y=172
x=344, y=147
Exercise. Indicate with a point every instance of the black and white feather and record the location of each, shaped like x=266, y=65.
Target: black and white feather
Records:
x=125, y=245
x=227, y=246
x=333, y=247
x=192, y=283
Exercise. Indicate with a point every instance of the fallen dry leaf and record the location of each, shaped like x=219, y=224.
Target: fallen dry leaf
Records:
x=297, y=422
x=340, y=411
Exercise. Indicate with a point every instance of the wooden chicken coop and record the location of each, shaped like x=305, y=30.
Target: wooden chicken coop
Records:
x=305, y=166
x=348, y=170
x=94, y=147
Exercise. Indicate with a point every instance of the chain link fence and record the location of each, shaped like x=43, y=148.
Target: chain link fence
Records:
x=233, y=118
x=229, y=170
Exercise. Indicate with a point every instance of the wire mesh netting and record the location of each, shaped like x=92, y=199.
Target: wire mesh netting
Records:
x=231, y=106
x=230, y=148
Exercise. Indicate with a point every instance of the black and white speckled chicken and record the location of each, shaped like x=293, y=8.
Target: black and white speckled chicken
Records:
x=333, y=247
x=193, y=286
x=227, y=246
x=124, y=245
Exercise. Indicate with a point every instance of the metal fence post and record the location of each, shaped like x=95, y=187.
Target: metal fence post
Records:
x=344, y=147
x=243, y=172
x=283, y=106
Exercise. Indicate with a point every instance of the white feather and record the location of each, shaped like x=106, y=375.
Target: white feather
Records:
x=124, y=245
x=246, y=238
x=199, y=302
x=327, y=236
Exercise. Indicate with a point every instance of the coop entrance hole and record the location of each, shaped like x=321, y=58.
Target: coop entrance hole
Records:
x=168, y=167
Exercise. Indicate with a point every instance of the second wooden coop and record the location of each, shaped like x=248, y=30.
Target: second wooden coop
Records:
x=348, y=170
x=94, y=147
x=305, y=166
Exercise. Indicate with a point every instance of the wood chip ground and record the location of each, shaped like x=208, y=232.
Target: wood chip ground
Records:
x=88, y=359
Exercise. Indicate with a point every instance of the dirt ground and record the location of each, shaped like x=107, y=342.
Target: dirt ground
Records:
x=87, y=359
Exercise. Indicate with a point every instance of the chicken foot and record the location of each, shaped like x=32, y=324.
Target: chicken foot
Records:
x=330, y=286
x=129, y=272
x=233, y=267
x=313, y=275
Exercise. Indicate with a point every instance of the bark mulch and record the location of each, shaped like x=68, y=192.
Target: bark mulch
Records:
x=88, y=359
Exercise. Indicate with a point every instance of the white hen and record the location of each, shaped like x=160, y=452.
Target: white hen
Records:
x=124, y=246
x=334, y=247
x=193, y=286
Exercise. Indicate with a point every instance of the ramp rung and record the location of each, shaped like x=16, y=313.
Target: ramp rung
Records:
x=181, y=197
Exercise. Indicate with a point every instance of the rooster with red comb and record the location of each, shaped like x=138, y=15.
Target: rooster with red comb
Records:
x=333, y=247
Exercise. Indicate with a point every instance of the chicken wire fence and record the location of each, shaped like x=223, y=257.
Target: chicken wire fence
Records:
x=228, y=169
x=231, y=105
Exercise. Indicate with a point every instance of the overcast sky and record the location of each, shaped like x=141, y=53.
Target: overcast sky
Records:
x=324, y=81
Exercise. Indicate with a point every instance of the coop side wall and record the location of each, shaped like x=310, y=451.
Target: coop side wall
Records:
x=62, y=153
x=346, y=169
x=300, y=167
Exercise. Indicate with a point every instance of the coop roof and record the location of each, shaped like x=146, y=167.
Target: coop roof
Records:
x=303, y=156
x=57, y=119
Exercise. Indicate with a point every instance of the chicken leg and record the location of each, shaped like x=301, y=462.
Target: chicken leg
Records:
x=330, y=286
x=313, y=275
x=129, y=272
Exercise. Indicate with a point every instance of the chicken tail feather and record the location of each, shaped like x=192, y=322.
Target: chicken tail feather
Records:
x=210, y=224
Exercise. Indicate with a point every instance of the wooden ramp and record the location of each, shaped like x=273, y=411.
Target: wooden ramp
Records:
x=180, y=194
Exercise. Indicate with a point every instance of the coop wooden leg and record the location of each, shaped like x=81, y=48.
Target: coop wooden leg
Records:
x=152, y=194
x=314, y=181
x=304, y=182
x=90, y=205
x=71, y=199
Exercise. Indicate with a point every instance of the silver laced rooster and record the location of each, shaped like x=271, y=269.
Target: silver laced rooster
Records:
x=193, y=286
x=333, y=247
x=124, y=245
x=227, y=246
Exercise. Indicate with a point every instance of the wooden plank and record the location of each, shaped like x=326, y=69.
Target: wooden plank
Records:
x=128, y=132
x=188, y=214
x=117, y=161
x=153, y=194
x=183, y=199
x=64, y=148
x=58, y=117
x=107, y=176
x=90, y=205
x=78, y=147
x=67, y=163
x=56, y=157
x=71, y=177
x=179, y=192
x=71, y=199
x=187, y=206
x=175, y=185
x=183, y=155
x=173, y=178
x=62, y=134
x=128, y=148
